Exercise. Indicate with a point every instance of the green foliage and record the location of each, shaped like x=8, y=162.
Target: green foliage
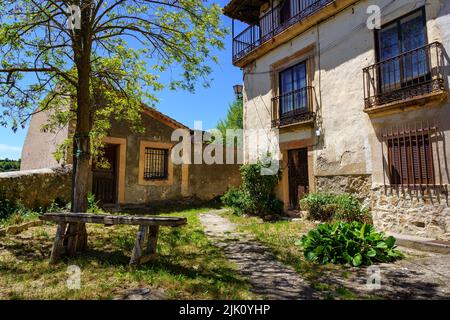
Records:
x=234, y=119
x=342, y=207
x=239, y=200
x=7, y=208
x=128, y=45
x=319, y=205
x=93, y=205
x=15, y=212
x=9, y=165
x=256, y=194
x=354, y=243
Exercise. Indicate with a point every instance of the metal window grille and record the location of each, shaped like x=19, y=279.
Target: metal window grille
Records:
x=410, y=161
x=156, y=164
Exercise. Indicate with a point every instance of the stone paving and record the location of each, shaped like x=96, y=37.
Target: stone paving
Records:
x=268, y=278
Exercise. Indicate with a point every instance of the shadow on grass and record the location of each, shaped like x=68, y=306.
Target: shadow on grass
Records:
x=186, y=262
x=164, y=207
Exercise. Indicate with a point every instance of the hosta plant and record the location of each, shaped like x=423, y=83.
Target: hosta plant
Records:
x=354, y=243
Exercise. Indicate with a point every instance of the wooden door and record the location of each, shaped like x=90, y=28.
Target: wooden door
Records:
x=104, y=179
x=298, y=176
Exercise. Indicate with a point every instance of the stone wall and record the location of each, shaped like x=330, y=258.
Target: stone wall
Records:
x=37, y=188
x=207, y=182
x=358, y=185
x=423, y=216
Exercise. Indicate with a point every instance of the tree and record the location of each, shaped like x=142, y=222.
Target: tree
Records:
x=104, y=66
x=234, y=119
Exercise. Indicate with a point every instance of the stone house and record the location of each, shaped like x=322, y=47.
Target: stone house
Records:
x=141, y=169
x=359, y=107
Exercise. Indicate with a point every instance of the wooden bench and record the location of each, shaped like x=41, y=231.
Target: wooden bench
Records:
x=145, y=246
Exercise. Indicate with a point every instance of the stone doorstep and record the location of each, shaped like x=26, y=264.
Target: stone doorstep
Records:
x=21, y=227
x=422, y=244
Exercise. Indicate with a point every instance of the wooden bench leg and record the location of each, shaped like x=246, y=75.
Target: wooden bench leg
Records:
x=143, y=253
x=139, y=245
x=152, y=241
x=58, y=245
x=76, y=238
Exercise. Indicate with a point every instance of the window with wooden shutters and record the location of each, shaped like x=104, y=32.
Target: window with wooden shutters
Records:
x=156, y=164
x=409, y=157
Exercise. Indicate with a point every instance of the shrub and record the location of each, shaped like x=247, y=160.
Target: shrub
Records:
x=239, y=200
x=349, y=208
x=256, y=194
x=326, y=207
x=354, y=243
x=319, y=205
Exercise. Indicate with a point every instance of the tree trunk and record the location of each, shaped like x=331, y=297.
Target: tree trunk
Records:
x=76, y=232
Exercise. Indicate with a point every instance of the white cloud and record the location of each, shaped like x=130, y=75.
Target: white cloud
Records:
x=7, y=148
x=10, y=152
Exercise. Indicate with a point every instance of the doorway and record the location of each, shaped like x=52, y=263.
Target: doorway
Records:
x=104, y=178
x=297, y=176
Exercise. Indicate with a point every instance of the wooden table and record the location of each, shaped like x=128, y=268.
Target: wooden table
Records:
x=147, y=236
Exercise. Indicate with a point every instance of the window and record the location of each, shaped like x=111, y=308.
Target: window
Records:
x=401, y=52
x=156, y=164
x=293, y=90
x=410, y=159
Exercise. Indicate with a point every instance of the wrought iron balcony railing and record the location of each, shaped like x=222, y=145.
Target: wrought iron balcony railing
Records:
x=410, y=75
x=274, y=22
x=293, y=107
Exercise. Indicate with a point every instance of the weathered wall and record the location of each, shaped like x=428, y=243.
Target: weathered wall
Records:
x=194, y=180
x=37, y=188
x=39, y=146
x=341, y=47
x=411, y=214
x=155, y=131
x=358, y=185
x=209, y=181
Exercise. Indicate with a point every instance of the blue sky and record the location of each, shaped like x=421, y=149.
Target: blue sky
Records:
x=206, y=104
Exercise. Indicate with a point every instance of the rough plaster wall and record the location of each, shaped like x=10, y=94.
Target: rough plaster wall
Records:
x=349, y=144
x=209, y=181
x=39, y=146
x=154, y=131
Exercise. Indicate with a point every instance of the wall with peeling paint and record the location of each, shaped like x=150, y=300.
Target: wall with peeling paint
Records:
x=349, y=144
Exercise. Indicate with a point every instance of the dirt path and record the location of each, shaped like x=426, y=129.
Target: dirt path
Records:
x=422, y=275
x=268, y=277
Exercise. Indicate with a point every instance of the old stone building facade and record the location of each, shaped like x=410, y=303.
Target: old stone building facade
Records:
x=141, y=169
x=360, y=107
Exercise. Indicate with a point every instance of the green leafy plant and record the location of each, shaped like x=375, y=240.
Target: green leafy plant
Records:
x=354, y=243
x=319, y=205
x=93, y=204
x=7, y=208
x=327, y=207
x=239, y=200
x=256, y=194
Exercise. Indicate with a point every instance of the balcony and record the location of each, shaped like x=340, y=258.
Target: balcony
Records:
x=412, y=78
x=273, y=23
x=293, y=108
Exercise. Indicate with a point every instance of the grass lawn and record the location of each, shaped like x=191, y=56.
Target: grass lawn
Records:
x=187, y=265
x=280, y=238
